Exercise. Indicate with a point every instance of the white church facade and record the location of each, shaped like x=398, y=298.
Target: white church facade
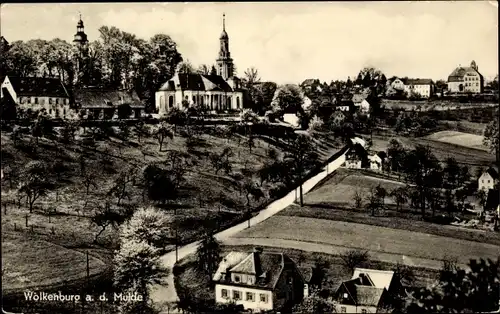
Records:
x=213, y=92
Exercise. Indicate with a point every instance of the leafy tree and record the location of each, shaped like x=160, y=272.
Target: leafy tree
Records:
x=149, y=225
x=161, y=132
x=302, y=157
x=159, y=184
x=141, y=130
x=491, y=137
x=354, y=258
x=137, y=267
x=177, y=117
x=208, y=254
x=461, y=291
x=314, y=304
x=374, y=200
x=104, y=216
x=287, y=98
x=221, y=161
x=121, y=183
x=185, y=67
x=400, y=196
x=203, y=69
x=34, y=182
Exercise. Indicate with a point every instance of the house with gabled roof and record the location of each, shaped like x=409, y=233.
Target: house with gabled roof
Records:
x=368, y=291
x=466, y=80
x=259, y=281
x=37, y=93
x=488, y=179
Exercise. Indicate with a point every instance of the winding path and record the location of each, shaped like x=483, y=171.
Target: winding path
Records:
x=167, y=294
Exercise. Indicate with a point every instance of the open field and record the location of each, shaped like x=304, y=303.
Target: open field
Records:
x=24, y=267
x=341, y=187
x=460, y=139
x=464, y=126
x=206, y=200
x=371, y=238
x=424, y=105
x=464, y=155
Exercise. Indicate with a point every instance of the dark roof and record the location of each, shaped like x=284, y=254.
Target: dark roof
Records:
x=93, y=97
x=417, y=81
x=458, y=74
x=6, y=97
x=363, y=291
x=197, y=82
x=38, y=86
x=492, y=172
x=309, y=82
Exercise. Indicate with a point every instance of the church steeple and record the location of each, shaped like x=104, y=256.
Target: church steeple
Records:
x=80, y=38
x=80, y=42
x=224, y=62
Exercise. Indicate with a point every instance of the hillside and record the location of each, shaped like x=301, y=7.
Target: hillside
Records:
x=66, y=215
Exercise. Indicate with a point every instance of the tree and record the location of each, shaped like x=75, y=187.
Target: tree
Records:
x=400, y=196
x=358, y=199
x=354, y=258
x=287, y=98
x=104, y=216
x=185, y=67
x=221, y=161
x=203, y=69
x=120, y=184
x=161, y=132
x=34, y=182
x=140, y=130
x=491, y=137
x=452, y=171
x=395, y=152
x=374, y=200
x=213, y=71
x=461, y=291
x=137, y=267
x=159, y=184
x=302, y=157
x=208, y=254
x=149, y=225
x=314, y=304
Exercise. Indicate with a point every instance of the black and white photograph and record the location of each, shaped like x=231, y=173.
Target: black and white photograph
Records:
x=250, y=157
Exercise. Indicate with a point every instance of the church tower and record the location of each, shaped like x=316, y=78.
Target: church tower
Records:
x=81, y=45
x=224, y=62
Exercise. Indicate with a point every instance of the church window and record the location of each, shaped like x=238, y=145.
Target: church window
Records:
x=170, y=101
x=36, y=100
x=194, y=99
x=237, y=102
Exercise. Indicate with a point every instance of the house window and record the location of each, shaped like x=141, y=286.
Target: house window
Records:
x=57, y=101
x=194, y=100
x=50, y=101
x=29, y=100
x=488, y=181
x=250, y=296
x=224, y=293
x=64, y=111
x=237, y=278
x=36, y=100
x=343, y=309
x=50, y=111
x=363, y=311
x=345, y=296
x=236, y=295
x=263, y=298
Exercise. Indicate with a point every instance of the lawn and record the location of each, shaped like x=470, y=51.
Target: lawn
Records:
x=460, y=139
x=368, y=237
x=206, y=199
x=28, y=262
x=341, y=187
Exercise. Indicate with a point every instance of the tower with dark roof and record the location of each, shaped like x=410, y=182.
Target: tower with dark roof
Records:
x=224, y=61
x=81, y=45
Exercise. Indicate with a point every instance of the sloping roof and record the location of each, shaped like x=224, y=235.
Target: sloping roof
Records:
x=196, y=82
x=417, y=81
x=358, y=97
x=458, y=74
x=380, y=278
x=309, y=82
x=358, y=140
x=266, y=266
x=492, y=172
x=38, y=86
x=91, y=97
x=492, y=199
x=368, y=295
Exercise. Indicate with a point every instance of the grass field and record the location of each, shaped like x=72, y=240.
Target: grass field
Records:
x=368, y=237
x=460, y=139
x=206, y=200
x=464, y=126
x=342, y=186
x=28, y=262
x=425, y=105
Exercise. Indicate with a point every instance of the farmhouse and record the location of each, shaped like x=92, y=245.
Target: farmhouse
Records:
x=466, y=80
x=260, y=281
x=421, y=87
x=360, y=102
x=39, y=93
x=368, y=291
x=99, y=103
x=487, y=180
x=375, y=162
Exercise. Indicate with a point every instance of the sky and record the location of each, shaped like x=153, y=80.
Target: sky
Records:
x=290, y=42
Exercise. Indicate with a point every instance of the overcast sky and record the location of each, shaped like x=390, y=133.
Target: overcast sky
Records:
x=289, y=42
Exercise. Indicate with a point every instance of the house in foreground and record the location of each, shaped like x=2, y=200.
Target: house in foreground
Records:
x=375, y=162
x=488, y=180
x=260, y=281
x=368, y=291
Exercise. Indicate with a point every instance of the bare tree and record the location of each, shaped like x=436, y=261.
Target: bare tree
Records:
x=358, y=199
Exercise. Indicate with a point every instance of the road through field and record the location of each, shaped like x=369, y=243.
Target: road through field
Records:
x=166, y=294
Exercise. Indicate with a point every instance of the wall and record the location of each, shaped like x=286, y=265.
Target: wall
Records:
x=356, y=309
x=255, y=305
x=483, y=182
x=291, y=118
x=201, y=97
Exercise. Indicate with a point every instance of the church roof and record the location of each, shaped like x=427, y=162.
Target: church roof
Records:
x=196, y=82
x=38, y=86
x=224, y=35
x=458, y=74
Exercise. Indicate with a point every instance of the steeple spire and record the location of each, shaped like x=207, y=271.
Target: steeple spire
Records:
x=224, y=21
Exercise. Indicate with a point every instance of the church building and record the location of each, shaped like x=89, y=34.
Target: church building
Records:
x=214, y=92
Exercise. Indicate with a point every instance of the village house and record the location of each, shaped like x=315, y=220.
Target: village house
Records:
x=260, y=281
x=466, y=80
x=291, y=117
x=103, y=104
x=487, y=180
x=421, y=87
x=360, y=102
x=39, y=93
x=376, y=162
x=368, y=291
x=214, y=92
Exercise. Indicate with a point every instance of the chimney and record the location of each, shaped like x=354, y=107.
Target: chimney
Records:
x=256, y=255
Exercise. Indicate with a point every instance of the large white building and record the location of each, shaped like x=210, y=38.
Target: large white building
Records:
x=466, y=80
x=214, y=92
x=422, y=87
